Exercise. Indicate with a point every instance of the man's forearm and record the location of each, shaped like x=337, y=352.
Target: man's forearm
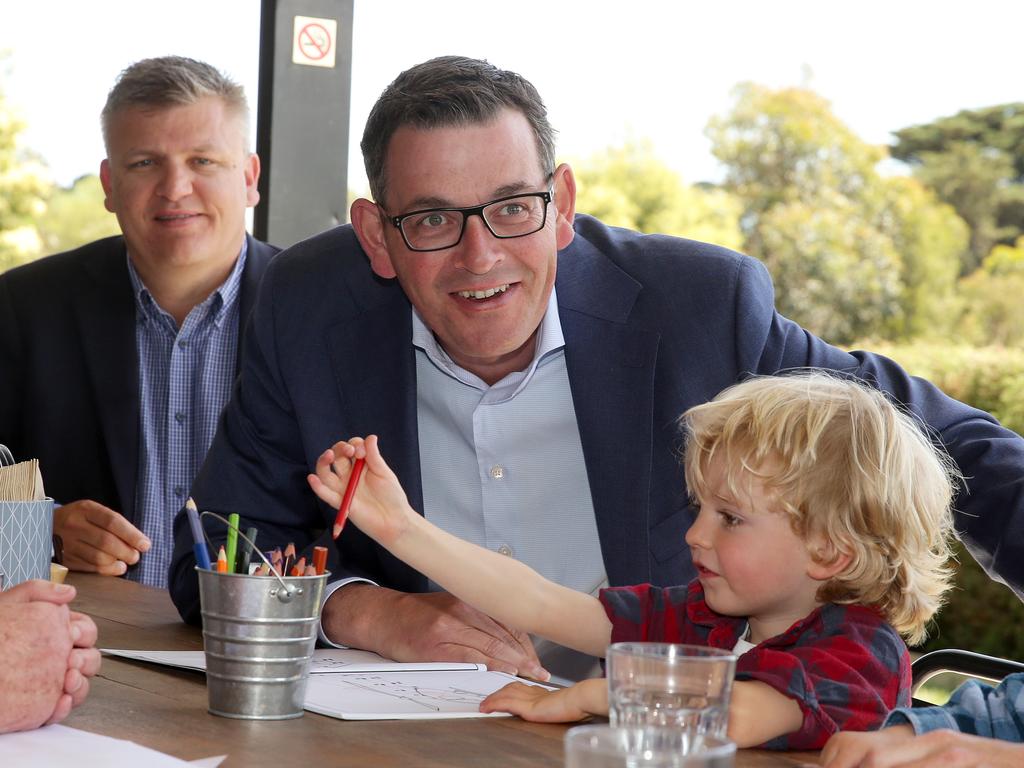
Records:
x=350, y=615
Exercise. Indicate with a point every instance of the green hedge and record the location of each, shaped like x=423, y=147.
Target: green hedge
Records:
x=981, y=615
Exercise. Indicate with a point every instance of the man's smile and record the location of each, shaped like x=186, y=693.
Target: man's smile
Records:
x=485, y=293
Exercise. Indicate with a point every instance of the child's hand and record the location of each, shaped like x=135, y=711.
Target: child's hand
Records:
x=531, y=702
x=379, y=508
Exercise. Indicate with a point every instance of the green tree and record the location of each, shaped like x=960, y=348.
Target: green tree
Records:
x=24, y=186
x=974, y=160
x=843, y=243
x=835, y=273
x=75, y=215
x=629, y=186
x=930, y=237
x=993, y=313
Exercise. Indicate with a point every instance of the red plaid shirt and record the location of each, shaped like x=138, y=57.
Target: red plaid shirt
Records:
x=843, y=664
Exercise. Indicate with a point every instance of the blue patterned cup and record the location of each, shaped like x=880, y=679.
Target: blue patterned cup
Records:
x=26, y=540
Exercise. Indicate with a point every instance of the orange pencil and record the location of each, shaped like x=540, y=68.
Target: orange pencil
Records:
x=299, y=568
x=320, y=559
x=222, y=561
x=346, y=500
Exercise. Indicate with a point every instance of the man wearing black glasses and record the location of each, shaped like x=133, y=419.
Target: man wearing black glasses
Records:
x=524, y=368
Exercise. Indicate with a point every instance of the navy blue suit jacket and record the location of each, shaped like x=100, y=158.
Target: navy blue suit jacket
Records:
x=652, y=325
x=69, y=380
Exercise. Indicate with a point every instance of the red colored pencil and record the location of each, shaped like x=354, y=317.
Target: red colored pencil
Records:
x=320, y=559
x=346, y=501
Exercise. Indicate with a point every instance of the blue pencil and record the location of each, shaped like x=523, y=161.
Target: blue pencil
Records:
x=198, y=542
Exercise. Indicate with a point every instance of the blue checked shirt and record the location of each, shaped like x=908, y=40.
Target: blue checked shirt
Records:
x=974, y=708
x=185, y=378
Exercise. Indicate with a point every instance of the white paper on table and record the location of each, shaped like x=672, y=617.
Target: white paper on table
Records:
x=58, y=746
x=406, y=694
x=361, y=685
x=325, y=660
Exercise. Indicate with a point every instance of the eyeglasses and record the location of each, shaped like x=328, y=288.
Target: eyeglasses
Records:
x=434, y=229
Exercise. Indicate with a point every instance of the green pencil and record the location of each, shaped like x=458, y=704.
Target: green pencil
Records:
x=231, y=548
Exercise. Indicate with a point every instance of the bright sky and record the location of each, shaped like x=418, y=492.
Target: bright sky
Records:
x=607, y=70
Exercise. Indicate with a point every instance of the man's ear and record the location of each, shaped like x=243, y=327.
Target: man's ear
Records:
x=827, y=559
x=252, y=178
x=107, y=188
x=368, y=223
x=564, y=185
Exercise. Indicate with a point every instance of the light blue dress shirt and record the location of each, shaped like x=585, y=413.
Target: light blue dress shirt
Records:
x=502, y=467
x=185, y=378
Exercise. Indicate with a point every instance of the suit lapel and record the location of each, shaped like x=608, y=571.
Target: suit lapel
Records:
x=611, y=375
x=380, y=398
x=106, y=320
x=257, y=257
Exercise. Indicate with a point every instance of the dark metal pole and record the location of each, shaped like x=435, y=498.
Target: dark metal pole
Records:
x=305, y=81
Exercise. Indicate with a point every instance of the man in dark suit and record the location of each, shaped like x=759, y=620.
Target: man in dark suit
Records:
x=524, y=368
x=116, y=358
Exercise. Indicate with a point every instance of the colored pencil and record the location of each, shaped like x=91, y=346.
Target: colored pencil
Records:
x=346, y=500
x=198, y=542
x=245, y=553
x=231, y=548
x=289, y=559
x=320, y=559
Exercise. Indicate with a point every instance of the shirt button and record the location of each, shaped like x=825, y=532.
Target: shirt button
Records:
x=497, y=471
x=179, y=417
x=505, y=550
x=179, y=491
x=182, y=343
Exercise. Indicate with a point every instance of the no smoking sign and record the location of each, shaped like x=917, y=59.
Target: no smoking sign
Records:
x=313, y=41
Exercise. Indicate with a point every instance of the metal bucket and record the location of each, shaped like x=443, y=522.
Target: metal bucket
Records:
x=258, y=634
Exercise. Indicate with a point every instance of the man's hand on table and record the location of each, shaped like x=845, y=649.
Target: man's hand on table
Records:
x=433, y=626
x=898, y=747
x=98, y=539
x=47, y=655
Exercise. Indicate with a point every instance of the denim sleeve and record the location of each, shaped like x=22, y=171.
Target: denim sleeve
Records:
x=975, y=708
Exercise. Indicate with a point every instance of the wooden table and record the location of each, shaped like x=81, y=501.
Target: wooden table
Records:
x=165, y=709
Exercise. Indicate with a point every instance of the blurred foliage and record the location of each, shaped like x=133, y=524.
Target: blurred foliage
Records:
x=24, y=187
x=852, y=253
x=629, y=186
x=989, y=378
x=992, y=310
x=974, y=160
x=982, y=615
x=37, y=217
x=75, y=216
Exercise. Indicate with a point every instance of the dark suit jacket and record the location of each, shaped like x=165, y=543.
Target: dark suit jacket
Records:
x=69, y=383
x=652, y=325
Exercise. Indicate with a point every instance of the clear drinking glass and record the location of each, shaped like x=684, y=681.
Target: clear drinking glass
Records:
x=684, y=688
x=606, y=746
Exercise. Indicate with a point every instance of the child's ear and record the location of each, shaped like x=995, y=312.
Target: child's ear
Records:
x=827, y=559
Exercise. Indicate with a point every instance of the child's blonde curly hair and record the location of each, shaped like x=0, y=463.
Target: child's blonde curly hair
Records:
x=841, y=460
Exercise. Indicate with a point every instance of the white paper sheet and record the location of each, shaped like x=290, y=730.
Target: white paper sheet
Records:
x=57, y=746
x=325, y=660
x=360, y=685
x=405, y=695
